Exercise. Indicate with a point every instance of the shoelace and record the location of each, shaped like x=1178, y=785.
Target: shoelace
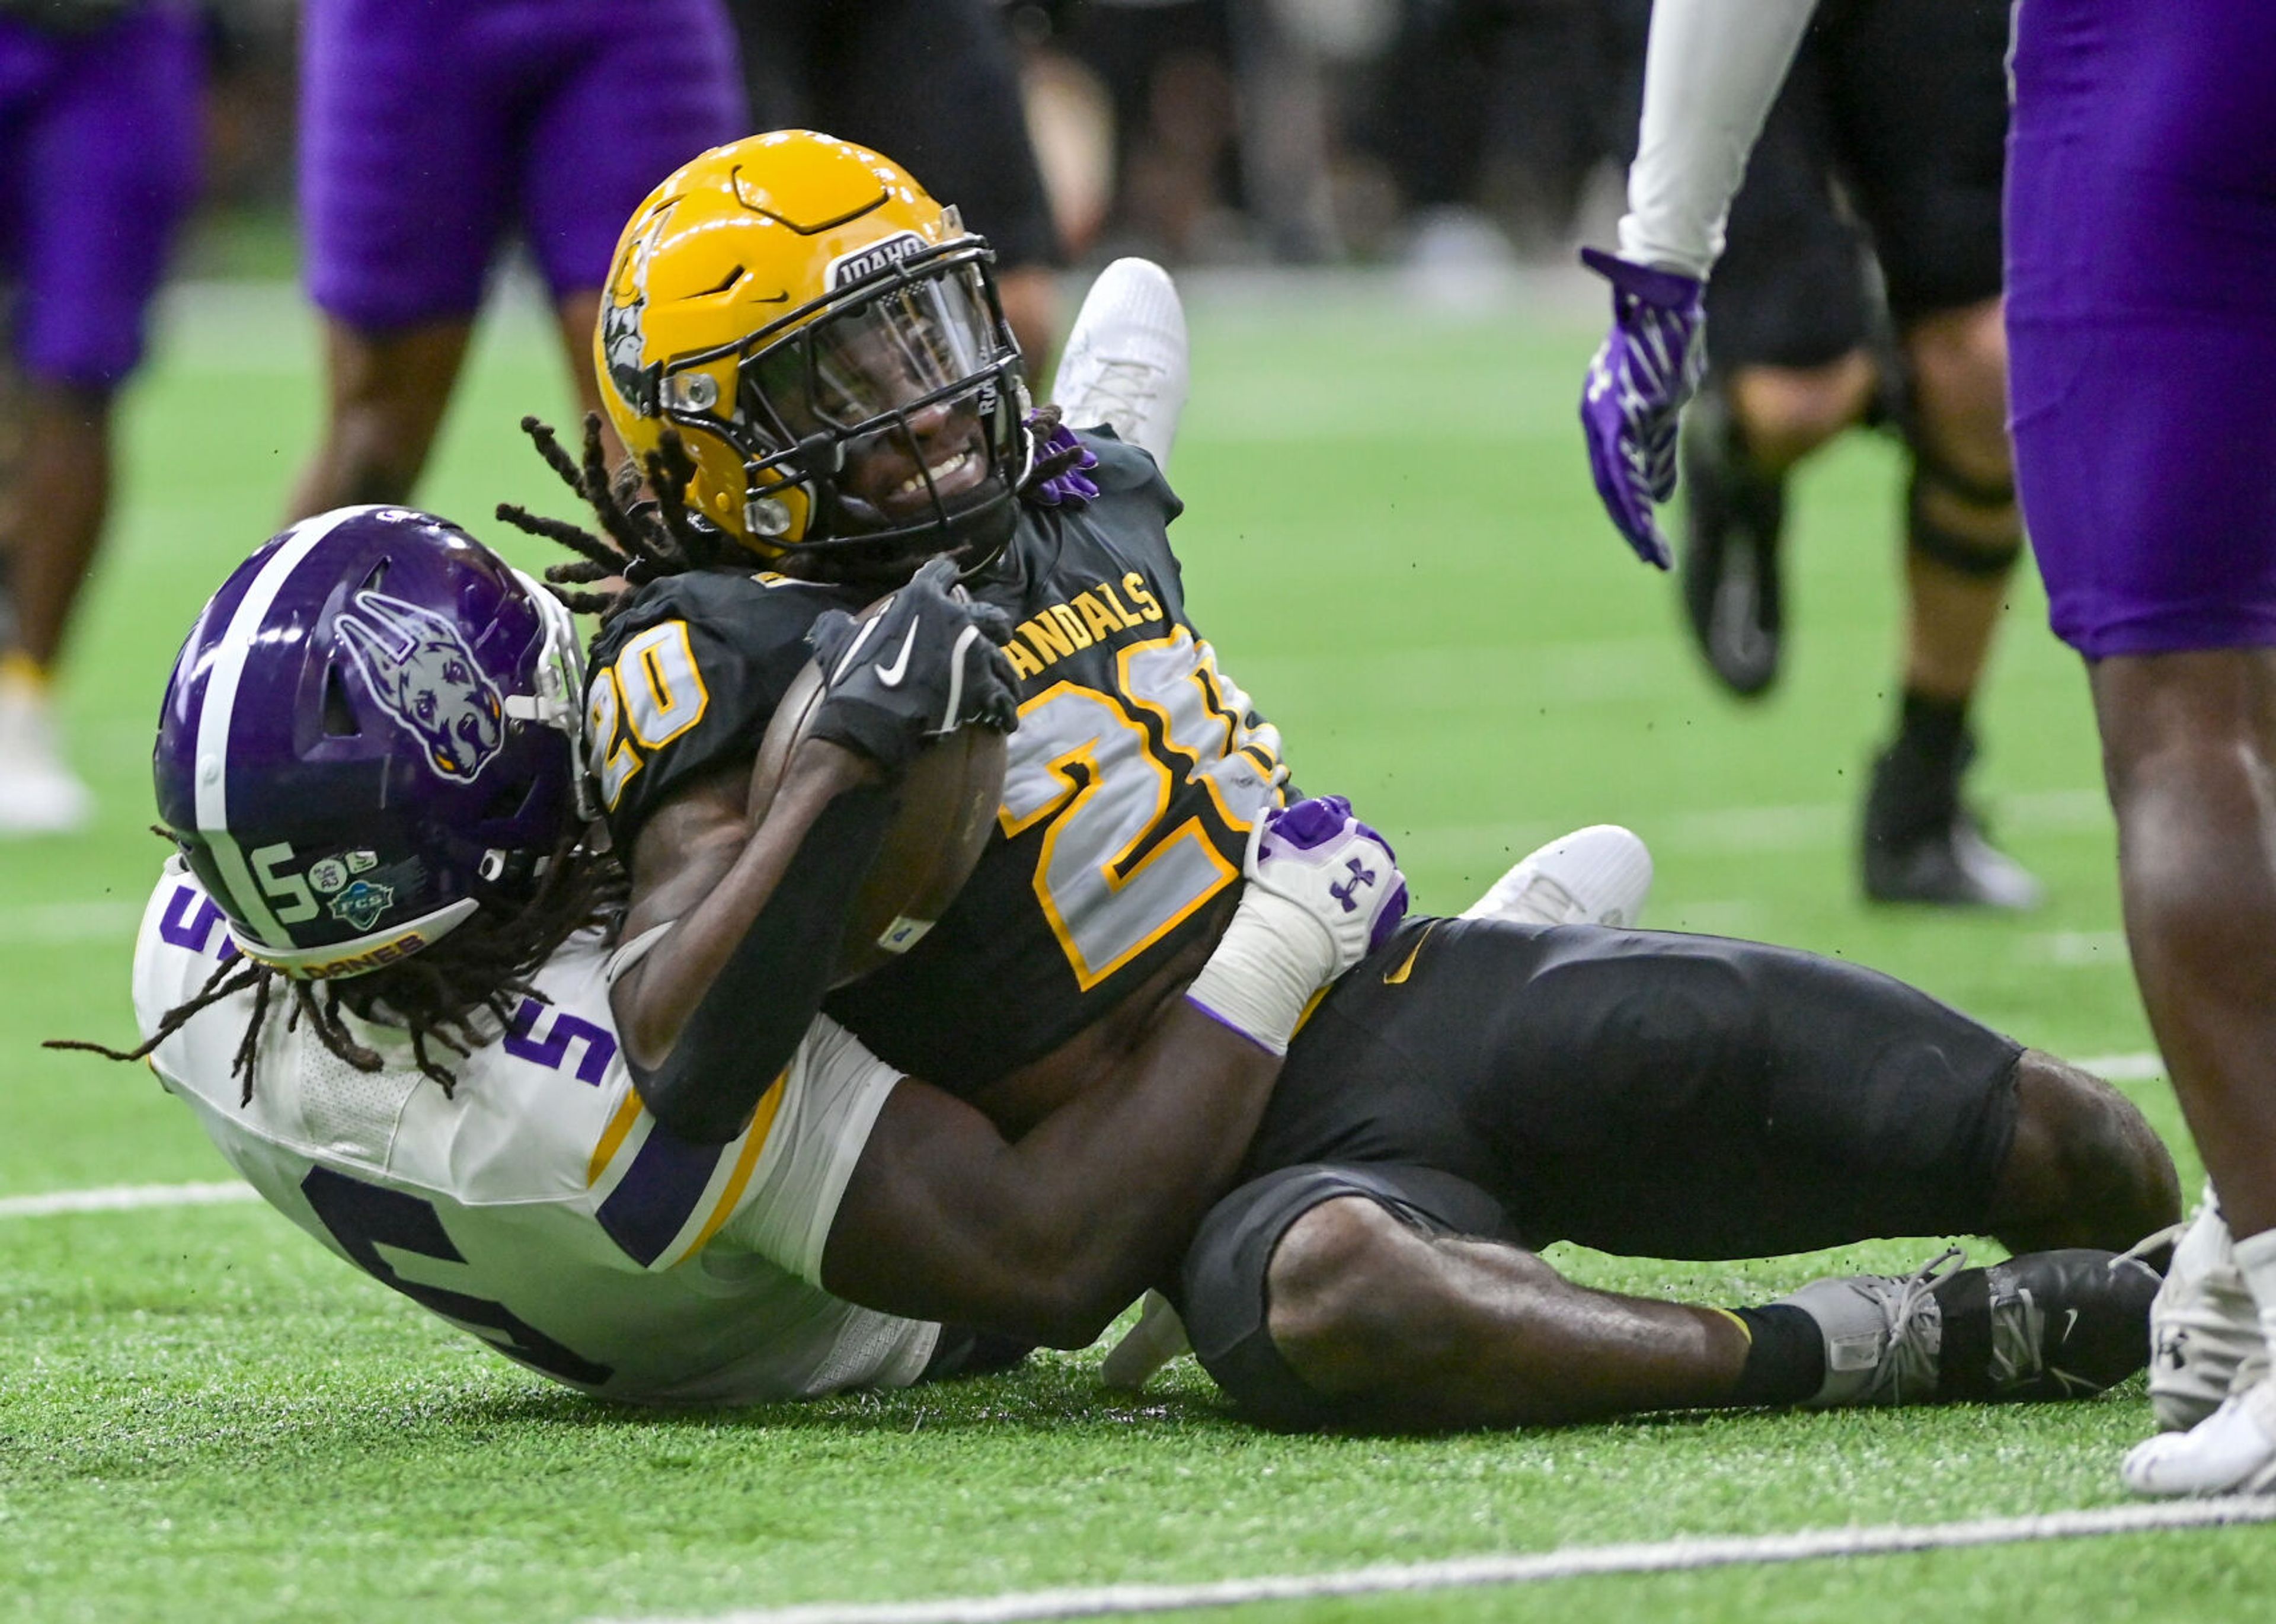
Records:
x=1908, y=1371
x=1126, y=386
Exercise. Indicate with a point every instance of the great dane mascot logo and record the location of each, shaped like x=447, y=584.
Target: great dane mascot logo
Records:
x=417, y=667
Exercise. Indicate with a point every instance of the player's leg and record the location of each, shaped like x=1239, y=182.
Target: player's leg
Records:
x=404, y=189
x=104, y=159
x=1919, y=107
x=1787, y=326
x=1127, y=363
x=1678, y=1096
x=638, y=92
x=1389, y=1297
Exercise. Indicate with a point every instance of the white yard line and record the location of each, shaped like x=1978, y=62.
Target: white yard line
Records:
x=1666, y=1556
x=2144, y=1065
x=124, y=1197
x=57, y=924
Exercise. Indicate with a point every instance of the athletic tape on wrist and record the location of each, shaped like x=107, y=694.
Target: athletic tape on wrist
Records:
x=1273, y=958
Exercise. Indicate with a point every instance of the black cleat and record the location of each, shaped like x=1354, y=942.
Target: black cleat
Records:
x=2045, y=1325
x=1921, y=845
x=1729, y=573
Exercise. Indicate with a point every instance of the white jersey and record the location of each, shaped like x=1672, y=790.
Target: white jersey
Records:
x=538, y=1205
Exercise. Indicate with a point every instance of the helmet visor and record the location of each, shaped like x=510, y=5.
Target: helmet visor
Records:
x=912, y=343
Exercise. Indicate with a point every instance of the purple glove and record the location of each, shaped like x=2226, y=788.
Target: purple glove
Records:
x=1069, y=480
x=1648, y=365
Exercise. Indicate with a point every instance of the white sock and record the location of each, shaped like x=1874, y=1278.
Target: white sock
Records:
x=2256, y=1261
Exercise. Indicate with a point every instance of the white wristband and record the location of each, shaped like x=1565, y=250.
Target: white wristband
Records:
x=1269, y=962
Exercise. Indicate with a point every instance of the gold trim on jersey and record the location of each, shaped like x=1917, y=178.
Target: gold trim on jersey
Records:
x=754, y=1139
x=613, y=1136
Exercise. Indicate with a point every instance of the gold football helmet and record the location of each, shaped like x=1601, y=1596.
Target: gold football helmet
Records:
x=827, y=340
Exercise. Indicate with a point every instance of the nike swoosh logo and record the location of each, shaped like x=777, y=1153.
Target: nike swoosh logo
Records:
x=1398, y=977
x=2070, y=1318
x=891, y=675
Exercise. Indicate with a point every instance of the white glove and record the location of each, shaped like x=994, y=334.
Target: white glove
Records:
x=1323, y=892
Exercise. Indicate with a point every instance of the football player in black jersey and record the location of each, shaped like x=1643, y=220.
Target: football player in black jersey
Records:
x=808, y=352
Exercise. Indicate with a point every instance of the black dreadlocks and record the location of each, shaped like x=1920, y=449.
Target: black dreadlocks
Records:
x=644, y=541
x=648, y=540
x=452, y=997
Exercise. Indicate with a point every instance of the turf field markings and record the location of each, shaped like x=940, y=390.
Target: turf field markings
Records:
x=2074, y=950
x=1464, y=1573
x=2147, y=1065
x=124, y=1197
x=59, y=924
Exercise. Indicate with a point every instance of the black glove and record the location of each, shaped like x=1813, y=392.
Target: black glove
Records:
x=927, y=663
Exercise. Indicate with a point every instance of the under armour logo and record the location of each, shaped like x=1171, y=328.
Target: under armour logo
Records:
x=1347, y=893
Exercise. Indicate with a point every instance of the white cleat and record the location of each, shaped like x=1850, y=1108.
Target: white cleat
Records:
x=2204, y=1326
x=1597, y=876
x=1125, y=363
x=39, y=793
x=2233, y=1451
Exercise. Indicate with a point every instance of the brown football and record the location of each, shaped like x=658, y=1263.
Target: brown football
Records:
x=944, y=811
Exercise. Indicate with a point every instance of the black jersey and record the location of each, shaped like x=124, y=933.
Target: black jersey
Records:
x=1132, y=782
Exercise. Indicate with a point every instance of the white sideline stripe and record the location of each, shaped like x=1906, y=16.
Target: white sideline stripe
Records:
x=121, y=1197
x=2145, y=1066
x=55, y=924
x=1666, y=1556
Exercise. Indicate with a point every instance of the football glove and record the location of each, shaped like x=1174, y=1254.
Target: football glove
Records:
x=925, y=662
x=1648, y=365
x=1323, y=892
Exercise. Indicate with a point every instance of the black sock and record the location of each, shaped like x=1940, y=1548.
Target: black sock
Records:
x=1933, y=728
x=1786, y=1358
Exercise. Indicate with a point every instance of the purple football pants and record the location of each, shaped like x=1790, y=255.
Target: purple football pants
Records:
x=98, y=165
x=429, y=128
x=2141, y=240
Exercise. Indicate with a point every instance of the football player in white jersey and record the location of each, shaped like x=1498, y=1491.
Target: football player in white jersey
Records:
x=378, y=971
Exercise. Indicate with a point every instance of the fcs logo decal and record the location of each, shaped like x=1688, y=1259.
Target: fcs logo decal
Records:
x=862, y=263
x=418, y=668
x=361, y=904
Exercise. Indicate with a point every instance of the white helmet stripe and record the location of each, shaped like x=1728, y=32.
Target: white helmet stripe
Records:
x=219, y=707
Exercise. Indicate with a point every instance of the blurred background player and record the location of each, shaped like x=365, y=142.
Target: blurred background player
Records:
x=936, y=82
x=1901, y=105
x=2139, y=218
x=427, y=128
x=98, y=164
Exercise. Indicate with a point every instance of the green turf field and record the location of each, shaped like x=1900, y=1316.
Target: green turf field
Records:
x=1393, y=542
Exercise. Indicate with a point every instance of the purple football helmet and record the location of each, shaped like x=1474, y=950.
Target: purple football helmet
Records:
x=373, y=730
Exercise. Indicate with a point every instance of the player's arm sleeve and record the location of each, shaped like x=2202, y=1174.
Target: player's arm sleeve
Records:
x=749, y=1022
x=1711, y=71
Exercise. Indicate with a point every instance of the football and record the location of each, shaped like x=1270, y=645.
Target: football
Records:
x=944, y=810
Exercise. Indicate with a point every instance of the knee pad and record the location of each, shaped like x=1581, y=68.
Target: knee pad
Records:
x=1223, y=1284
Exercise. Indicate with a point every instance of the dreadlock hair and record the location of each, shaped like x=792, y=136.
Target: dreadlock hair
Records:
x=453, y=996
x=641, y=540
x=646, y=539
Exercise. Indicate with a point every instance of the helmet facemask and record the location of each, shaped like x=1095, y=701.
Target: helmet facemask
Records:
x=894, y=408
